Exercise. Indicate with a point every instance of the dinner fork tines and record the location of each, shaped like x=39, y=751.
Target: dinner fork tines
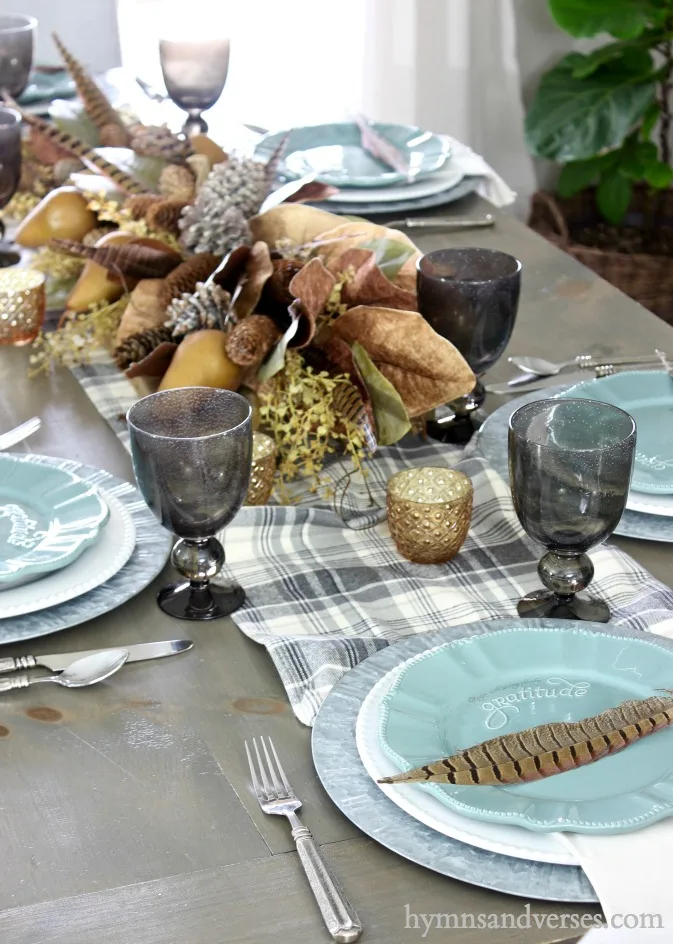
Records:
x=276, y=796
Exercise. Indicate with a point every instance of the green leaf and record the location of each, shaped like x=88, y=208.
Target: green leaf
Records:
x=575, y=119
x=650, y=119
x=614, y=196
x=659, y=175
x=621, y=56
x=392, y=421
x=145, y=169
x=623, y=19
x=577, y=175
x=71, y=118
x=389, y=254
x=634, y=157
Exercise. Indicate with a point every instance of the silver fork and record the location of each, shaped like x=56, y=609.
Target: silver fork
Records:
x=14, y=436
x=276, y=796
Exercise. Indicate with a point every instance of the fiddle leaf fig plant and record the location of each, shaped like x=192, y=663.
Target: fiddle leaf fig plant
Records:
x=606, y=115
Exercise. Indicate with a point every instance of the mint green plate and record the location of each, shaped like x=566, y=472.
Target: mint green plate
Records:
x=47, y=518
x=648, y=396
x=456, y=695
x=334, y=153
x=44, y=87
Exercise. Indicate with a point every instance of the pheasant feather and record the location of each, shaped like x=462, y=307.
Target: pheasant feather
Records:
x=95, y=103
x=132, y=260
x=546, y=749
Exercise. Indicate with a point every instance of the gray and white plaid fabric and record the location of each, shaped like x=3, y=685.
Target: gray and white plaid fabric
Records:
x=325, y=589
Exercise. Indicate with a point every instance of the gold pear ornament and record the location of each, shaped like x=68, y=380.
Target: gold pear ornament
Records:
x=62, y=214
x=201, y=360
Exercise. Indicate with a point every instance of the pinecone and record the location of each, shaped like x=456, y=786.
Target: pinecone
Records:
x=233, y=192
x=114, y=135
x=177, y=182
x=184, y=278
x=165, y=215
x=204, y=308
x=139, y=204
x=137, y=346
x=250, y=340
x=159, y=141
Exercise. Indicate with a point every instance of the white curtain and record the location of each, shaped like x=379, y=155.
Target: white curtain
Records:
x=447, y=65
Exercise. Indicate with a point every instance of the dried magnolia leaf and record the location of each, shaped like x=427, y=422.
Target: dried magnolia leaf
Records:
x=295, y=223
x=258, y=270
x=425, y=369
x=311, y=287
x=304, y=189
x=365, y=235
x=156, y=363
x=144, y=310
x=355, y=404
x=230, y=271
x=392, y=420
x=132, y=259
x=369, y=286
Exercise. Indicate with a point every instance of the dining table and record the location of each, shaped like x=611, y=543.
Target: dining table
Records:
x=126, y=810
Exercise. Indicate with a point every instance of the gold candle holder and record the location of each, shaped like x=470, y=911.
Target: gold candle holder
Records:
x=263, y=470
x=22, y=304
x=429, y=511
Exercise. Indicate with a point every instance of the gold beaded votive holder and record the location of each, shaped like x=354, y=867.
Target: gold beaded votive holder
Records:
x=22, y=305
x=263, y=470
x=429, y=512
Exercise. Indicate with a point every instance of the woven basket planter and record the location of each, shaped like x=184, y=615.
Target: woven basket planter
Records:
x=646, y=278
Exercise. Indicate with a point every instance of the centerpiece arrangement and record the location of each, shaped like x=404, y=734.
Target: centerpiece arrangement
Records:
x=185, y=265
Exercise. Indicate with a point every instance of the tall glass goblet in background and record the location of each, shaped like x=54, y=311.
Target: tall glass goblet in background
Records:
x=570, y=464
x=192, y=450
x=470, y=297
x=17, y=40
x=10, y=173
x=195, y=72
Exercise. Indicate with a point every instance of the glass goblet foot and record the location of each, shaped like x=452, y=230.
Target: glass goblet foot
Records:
x=565, y=576
x=199, y=560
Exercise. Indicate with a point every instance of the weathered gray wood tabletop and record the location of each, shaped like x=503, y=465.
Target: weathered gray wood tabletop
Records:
x=126, y=815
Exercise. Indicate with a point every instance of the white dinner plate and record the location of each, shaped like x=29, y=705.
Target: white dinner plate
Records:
x=96, y=565
x=506, y=840
x=440, y=181
x=650, y=504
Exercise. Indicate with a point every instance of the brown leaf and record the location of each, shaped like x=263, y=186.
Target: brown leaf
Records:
x=131, y=260
x=369, y=285
x=354, y=233
x=425, y=369
x=156, y=363
x=312, y=192
x=311, y=287
x=294, y=222
x=258, y=270
x=144, y=310
x=229, y=272
x=340, y=356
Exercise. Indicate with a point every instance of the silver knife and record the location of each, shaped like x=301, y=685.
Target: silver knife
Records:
x=436, y=223
x=59, y=661
x=541, y=384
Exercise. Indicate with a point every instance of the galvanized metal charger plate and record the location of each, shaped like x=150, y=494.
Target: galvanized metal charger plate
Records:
x=153, y=545
x=466, y=186
x=491, y=441
x=345, y=779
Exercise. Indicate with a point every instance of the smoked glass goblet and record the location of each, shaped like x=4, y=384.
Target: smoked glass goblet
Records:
x=470, y=297
x=195, y=72
x=10, y=172
x=570, y=464
x=17, y=41
x=192, y=450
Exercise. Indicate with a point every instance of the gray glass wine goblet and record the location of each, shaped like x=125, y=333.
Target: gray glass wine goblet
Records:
x=195, y=72
x=470, y=297
x=570, y=464
x=17, y=42
x=192, y=452
x=10, y=173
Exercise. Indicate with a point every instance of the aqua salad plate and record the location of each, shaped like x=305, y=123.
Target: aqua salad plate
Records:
x=648, y=396
x=475, y=688
x=44, y=87
x=48, y=517
x=335, y=154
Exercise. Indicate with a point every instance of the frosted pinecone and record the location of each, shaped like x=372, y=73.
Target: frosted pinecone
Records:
x=205, y=308
x=232, y=193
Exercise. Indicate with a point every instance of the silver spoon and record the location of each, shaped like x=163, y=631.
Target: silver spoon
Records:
x=86, y=671
x=543, y=368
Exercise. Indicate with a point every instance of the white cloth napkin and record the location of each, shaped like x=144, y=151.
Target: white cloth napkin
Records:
x=631, y=874
x=491, y=187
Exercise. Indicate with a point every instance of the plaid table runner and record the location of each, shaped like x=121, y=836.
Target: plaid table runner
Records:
x=326, y=586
